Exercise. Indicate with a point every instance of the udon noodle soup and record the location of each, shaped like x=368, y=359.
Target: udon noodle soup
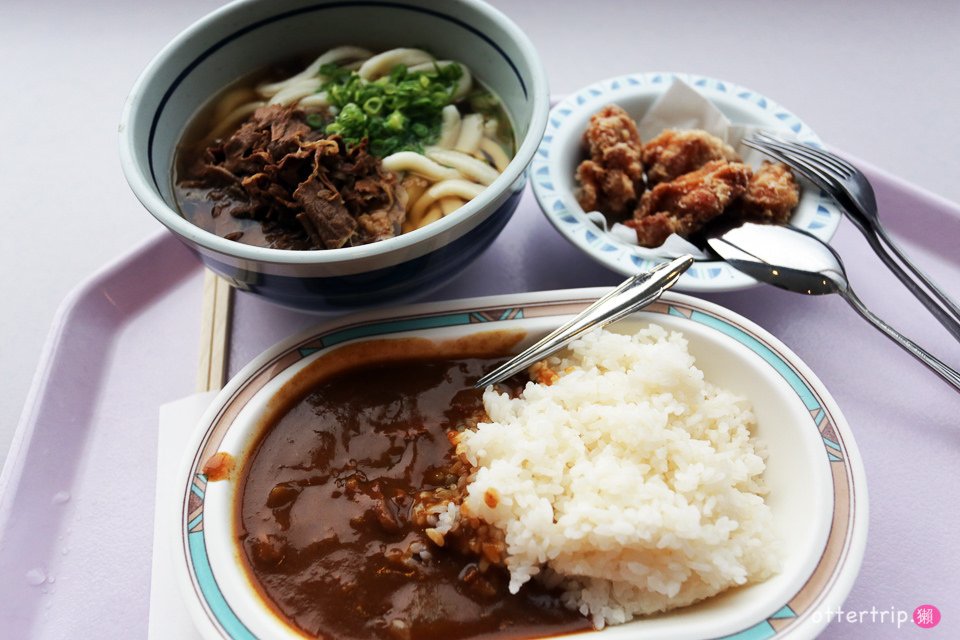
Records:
x=355, y=148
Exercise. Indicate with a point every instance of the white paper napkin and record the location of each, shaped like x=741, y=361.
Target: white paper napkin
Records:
x=169, y=617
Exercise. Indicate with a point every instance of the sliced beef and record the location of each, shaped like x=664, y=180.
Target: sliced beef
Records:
x=324, y=216
x=307, y=190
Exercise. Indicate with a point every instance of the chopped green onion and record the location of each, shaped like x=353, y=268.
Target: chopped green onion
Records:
x=373, y=106
x=397, y=112
x=315, y=121
x=395, y=121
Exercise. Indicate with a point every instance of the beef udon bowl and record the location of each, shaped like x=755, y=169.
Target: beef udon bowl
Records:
x=337, y=154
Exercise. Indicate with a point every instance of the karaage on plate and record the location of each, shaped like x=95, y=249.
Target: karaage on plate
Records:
x=675, y=152
x=684, y=205
x=677, y=182
x=611, y=179
x=771, y=195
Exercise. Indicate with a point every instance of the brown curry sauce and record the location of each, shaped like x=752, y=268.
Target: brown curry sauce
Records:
x=324, y=512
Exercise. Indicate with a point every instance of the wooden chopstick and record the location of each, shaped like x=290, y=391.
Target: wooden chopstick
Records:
x=214, y=332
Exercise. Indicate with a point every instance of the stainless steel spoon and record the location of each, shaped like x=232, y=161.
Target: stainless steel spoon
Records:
x=633, y=294
x=852, y=191
x=795, y=260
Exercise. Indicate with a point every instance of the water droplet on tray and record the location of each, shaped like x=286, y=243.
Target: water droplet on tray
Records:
x=36, y=577
x=61, y=497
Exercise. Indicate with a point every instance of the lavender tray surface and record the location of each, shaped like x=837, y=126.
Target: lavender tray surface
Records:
x=77, y=490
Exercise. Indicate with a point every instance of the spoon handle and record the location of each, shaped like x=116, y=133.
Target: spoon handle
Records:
x=632, y=295
x=949, y=375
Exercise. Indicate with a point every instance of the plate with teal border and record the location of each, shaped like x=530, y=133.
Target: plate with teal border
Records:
x=554, y=165
x=817, y=487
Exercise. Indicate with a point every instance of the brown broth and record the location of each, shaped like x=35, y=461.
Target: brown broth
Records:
x=324, y=512
x=193, y=202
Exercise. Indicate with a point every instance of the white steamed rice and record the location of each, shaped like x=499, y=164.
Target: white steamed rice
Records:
x=629, y=480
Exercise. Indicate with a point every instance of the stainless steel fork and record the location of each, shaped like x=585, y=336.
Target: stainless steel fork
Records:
x=850, y=188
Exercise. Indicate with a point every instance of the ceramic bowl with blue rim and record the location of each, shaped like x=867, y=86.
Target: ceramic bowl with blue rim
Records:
x=554, y=167
x=817, y=488
x=247, y=35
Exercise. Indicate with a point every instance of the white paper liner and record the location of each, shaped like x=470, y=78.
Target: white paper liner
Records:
x=672, y=247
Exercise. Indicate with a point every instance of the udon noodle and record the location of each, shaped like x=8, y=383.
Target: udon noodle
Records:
x=440, y=139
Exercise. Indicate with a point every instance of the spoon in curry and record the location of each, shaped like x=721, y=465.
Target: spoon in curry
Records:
x=633, y=294
x=797, y=261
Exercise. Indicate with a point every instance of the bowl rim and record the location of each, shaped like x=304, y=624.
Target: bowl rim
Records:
x=137, y=173
x=566, y=216
x=848, y=531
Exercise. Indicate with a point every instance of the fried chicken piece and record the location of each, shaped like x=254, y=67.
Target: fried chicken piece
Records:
x=609, y=191
x=685, y=204
x=771, y=196
x=675, y=152
x=611, y=180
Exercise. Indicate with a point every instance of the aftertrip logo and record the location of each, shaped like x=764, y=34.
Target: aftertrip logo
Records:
x=926, y=616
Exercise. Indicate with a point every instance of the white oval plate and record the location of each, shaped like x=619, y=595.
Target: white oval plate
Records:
x=816, y=479
x=554, y=167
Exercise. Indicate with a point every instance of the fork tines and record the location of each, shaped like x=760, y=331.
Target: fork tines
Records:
x=788, y=151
